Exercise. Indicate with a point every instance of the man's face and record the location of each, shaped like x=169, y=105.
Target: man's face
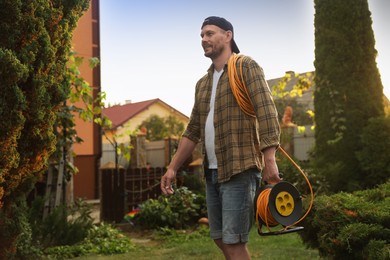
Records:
x=214, y=40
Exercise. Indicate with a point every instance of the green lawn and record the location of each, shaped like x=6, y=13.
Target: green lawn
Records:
x=287, y=246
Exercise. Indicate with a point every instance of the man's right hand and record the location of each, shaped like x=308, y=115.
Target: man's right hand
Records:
x=186, y=146
x=166, y=182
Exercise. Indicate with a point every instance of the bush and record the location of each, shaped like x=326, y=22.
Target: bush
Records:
x=292, y=175
x=374, y=155
x=103, y=239
x=26, y=247
x=65, y=225
x=194, y=183
x=351, y=225
x=180, y=210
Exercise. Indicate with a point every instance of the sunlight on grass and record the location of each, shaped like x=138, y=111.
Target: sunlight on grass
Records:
x=281, y=247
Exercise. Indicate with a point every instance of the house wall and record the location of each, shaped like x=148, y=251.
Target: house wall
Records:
x=86, y=44
x=303, y=143
x=155, y=155
x=86, y=185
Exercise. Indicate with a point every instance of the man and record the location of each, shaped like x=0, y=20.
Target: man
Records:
x=236, y=146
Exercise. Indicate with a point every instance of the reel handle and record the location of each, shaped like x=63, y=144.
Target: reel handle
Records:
x=271, y=185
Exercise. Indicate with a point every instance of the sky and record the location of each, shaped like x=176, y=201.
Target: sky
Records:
x=152, y=48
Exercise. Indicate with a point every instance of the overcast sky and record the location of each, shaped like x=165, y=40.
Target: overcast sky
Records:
x=152, y=48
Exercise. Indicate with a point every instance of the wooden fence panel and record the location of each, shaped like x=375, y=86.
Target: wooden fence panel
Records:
x=123, y=192
x=113, y=195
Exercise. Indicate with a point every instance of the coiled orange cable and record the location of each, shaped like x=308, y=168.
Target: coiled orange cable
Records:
x=240, y=92
x=237, y=84
x=263, y=210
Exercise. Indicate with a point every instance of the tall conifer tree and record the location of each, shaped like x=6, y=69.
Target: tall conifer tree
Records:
x=35, y=44
x=348, y=88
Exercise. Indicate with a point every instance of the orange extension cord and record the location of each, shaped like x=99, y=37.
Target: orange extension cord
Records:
x=240, y=92
x=262, y=202
x=263, y=210
x=238, y=85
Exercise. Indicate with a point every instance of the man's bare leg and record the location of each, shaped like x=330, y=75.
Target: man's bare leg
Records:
x=233, y=252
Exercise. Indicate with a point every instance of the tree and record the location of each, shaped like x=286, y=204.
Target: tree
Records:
x=35, y=43
x=158, y=128
x=348, y=89
x=288, y=96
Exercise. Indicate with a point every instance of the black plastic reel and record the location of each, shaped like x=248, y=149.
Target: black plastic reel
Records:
x=285, y=205
x=276, y=206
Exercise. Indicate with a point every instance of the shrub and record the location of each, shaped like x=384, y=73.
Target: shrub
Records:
x=24, y=243
x=103, y=239
x=65, y=225
x=351, y=225
x=292, y=175
x=26, y=247
x=194, y=183
x=180, y=210
x=374, y=155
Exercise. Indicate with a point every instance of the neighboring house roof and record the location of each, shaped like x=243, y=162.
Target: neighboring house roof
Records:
x=120, y=114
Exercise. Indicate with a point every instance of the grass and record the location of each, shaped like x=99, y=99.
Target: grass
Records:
x=201, y=247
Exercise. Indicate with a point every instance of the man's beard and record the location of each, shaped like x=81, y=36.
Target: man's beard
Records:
x=215, y=53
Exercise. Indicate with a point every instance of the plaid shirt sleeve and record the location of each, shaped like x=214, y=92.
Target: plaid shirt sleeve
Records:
x=263, y=103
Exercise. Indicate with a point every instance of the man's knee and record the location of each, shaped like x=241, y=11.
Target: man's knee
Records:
x=235, y=251
x=219, y=243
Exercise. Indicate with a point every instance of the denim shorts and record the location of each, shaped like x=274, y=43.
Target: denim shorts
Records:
x=230, y=205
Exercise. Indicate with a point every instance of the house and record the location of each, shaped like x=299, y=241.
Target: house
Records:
x=86, y=44
x=126, y=118
x=125, y=121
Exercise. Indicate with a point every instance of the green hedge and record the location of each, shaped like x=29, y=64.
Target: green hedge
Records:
x=351, y=225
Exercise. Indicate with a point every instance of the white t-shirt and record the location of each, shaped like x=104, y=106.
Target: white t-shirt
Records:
x=209, y=128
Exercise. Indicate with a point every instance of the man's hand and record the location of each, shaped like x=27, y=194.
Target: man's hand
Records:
x=166, y=182
x=270, y=173
x=186, y=146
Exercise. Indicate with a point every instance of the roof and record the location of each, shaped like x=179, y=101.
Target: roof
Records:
x=120, y=114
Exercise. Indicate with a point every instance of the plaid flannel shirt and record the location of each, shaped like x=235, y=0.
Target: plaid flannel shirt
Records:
x=239, y=138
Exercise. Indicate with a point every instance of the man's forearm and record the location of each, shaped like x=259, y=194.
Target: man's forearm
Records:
x=185, y=149
x=270, y=171
x=269, y=154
